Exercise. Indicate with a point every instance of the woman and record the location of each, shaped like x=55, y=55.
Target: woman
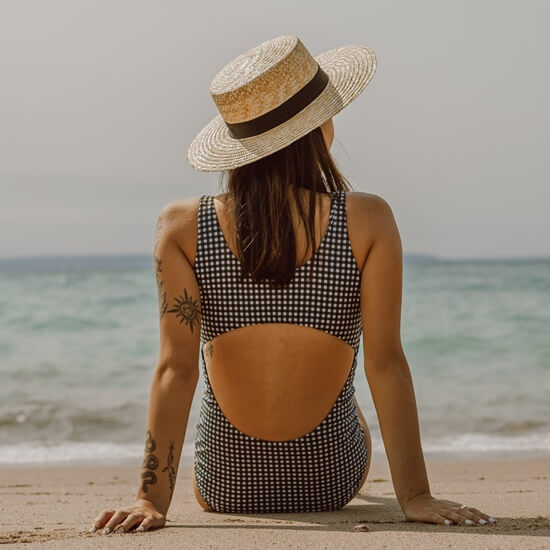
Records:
x=273, y=281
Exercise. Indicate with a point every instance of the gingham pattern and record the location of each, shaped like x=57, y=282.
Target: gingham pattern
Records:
x=321, y=470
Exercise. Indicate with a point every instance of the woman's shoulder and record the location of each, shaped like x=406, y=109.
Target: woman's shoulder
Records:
x=177, y=220
x=368, y=208
x=370, y=202
x=180, y=213
x=370, y=218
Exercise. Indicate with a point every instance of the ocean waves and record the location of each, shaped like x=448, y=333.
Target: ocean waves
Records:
x=79, y=341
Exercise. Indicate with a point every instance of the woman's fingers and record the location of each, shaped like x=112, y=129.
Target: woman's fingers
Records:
x=467, y=512
x=434, y=517
x=455, y=517
x=131, y=521
x=146, y=524
x=465, y=515
x=117, y=518
x=123, y=520
x=102, y=519
x=433, y=510
x=481, y=515
x=472, y=514
x=149, y=522
x=142, y=515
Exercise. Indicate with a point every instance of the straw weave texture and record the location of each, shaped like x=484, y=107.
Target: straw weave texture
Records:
x=264, y=77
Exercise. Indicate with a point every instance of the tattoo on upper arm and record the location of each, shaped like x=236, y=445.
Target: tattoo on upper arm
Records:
x=186, y=309
x=171, y=468
x=161, y=293
x=150, y=463
x=158, y=229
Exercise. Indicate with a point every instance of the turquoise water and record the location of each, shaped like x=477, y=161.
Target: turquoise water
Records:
x=79, y=342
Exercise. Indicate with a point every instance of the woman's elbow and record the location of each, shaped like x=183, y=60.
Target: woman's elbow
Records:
x=174, y=371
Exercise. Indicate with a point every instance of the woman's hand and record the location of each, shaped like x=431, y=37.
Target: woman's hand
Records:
x=142, y=515
x=428, y=509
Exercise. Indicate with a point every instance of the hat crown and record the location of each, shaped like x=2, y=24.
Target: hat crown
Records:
x=262, y=78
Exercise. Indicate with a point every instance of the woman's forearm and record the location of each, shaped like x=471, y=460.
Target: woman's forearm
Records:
x=393, y=395
x=170, y=399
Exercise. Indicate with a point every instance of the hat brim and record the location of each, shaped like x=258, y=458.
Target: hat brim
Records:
x=349, y=68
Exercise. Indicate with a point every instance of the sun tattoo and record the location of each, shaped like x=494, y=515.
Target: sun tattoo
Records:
x=186, y=309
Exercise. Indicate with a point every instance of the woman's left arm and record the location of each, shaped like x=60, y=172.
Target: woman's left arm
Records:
x=177, y=370
x=173, y=382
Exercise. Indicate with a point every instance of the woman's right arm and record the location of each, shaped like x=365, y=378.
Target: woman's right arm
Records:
x=174, y=381
x=389, y=376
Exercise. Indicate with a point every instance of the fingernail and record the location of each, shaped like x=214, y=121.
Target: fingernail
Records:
x=469, y=522
x=448, y=522
x=107, y=530
x=141, y=528
x=92, y=529
x=482, y=521
x=492, y=520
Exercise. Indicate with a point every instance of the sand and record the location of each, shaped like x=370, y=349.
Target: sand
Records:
x=53, y=507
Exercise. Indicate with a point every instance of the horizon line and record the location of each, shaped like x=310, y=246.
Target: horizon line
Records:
x=406, y=255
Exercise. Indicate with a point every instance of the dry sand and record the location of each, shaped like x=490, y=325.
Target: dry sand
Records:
x=53, y=507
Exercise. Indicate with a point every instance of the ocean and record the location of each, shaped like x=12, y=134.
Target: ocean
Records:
x=79, y=341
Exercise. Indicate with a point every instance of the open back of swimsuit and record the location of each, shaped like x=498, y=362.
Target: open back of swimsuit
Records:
x=320, y=471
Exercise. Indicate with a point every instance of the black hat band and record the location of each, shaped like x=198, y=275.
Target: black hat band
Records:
x=283, y=112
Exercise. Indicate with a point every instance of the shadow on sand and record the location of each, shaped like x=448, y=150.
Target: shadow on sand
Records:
x=379, y=514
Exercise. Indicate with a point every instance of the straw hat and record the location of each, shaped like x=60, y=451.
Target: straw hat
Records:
x=274, y=94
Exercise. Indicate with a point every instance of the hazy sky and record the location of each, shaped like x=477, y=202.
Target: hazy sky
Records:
x=99, y=101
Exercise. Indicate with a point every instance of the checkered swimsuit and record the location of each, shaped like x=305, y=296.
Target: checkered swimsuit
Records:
x=321, y=470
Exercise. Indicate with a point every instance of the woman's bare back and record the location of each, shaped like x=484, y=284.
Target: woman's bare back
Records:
x=278, y=381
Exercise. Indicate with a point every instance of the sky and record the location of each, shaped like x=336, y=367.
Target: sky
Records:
x=100, y=100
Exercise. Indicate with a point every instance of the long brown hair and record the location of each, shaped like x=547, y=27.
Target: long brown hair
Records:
x=259, y=199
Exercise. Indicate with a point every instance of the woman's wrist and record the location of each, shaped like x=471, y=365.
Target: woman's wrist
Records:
x=415, y=498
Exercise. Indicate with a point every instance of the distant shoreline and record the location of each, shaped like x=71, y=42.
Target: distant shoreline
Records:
x=83, y=262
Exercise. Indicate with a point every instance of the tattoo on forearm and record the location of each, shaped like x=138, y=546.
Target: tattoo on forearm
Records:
x=186, y=309
x=209, y=348
x=171, y=468
x=150, y=463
